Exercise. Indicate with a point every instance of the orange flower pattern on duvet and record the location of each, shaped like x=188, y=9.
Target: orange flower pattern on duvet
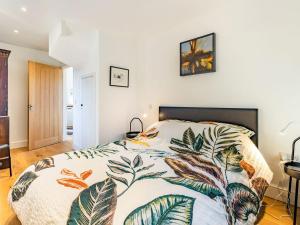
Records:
x=248, y=168
x=74, y=181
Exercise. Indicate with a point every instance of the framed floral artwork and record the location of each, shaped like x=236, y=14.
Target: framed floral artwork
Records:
x=198, y=55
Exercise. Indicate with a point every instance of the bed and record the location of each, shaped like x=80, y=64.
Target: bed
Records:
x=196, y=166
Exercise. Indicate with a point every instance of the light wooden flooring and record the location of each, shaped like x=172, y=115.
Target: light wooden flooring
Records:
x=22, y=158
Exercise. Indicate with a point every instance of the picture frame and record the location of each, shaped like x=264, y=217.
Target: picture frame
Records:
x=119, y=77
x=198, y=55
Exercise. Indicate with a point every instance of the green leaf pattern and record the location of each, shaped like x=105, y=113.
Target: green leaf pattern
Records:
x=230, y=158
x=201, y=163
x=202, y=187
x=44, y=164
x=169, y=209
x=189, y=137
x=22, y=185
x=189, y=144
x=95, y=205
x=92, y=153
x=134, y=168
x=215, y=153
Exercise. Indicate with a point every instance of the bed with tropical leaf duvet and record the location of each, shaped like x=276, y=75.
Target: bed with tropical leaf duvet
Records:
x=175, y=173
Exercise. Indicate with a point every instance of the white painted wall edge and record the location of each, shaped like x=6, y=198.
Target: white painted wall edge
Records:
x=19, y=144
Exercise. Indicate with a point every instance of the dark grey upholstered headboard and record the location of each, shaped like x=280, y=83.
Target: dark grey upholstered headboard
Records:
x=240, y=116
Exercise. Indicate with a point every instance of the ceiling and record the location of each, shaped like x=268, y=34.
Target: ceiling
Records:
x=129, y=16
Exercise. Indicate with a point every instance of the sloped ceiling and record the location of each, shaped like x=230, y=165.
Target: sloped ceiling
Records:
x=128, y=16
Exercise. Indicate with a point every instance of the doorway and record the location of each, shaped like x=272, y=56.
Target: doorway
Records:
x=68, y=104
x=45, y=105
x=87, y=105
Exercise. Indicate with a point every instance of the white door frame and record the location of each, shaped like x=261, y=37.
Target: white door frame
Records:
x=65, y=101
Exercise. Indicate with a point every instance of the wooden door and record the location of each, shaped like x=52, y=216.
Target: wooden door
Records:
x=45, y=105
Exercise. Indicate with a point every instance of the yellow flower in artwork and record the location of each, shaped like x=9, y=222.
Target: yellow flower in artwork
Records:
x=207, y=62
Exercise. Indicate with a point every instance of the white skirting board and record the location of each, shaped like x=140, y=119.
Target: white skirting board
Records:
x=18, y=144
x=280, y=194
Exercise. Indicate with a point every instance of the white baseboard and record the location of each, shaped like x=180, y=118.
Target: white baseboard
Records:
x=19, y=144
x=277, y=193
x=281, y=194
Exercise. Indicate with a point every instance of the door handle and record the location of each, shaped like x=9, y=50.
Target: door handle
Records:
x=30, y=107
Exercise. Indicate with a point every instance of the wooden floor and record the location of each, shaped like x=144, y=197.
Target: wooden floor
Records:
x=21, y=159
x=274, y=212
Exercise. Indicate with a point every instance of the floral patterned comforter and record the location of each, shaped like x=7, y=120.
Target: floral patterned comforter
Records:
x=214, y=176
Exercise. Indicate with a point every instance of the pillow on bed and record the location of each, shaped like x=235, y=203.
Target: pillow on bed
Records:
x=241, y=129
x=170, y=129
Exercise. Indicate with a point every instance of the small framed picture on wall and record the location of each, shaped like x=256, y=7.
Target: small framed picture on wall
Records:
x=119, y=77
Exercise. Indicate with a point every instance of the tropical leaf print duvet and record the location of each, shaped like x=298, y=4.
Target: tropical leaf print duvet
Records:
x=210, y=175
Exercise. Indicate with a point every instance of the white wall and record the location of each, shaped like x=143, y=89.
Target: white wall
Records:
x=77, y=45
x=257, y=66
x=89, y=65
x=98, y=51
x=18, y=89
x=117, y=104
